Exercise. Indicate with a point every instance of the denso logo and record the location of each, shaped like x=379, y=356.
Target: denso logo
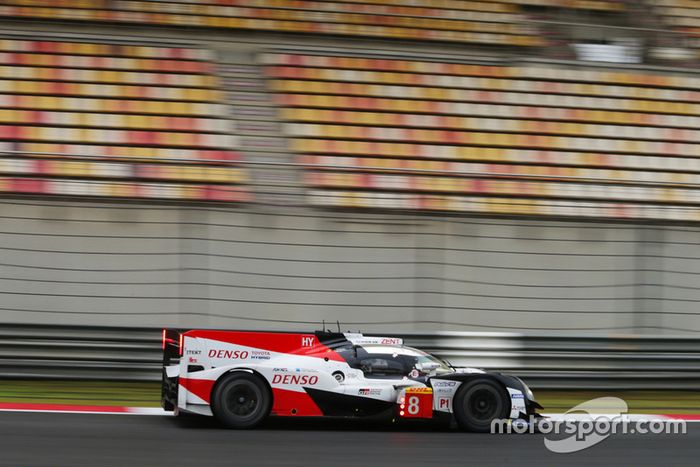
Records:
x=304, y=380
x=232, y=354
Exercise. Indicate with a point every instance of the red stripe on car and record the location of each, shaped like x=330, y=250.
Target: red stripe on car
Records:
x=289, y=343
x=199, y=387
x=300, y=404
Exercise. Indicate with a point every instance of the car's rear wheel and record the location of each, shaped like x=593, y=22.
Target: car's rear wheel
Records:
x=478, y=403
x=241, y=400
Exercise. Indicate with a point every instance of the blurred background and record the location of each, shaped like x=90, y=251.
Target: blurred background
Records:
x=511, y=184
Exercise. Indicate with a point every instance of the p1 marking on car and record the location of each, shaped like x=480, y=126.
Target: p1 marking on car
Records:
x=242, y=377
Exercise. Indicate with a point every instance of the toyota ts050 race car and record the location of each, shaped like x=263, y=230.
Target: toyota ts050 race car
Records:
x=242, y=377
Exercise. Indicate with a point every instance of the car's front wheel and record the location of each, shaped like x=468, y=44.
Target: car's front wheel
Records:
x=241, y=400
x=478, y=403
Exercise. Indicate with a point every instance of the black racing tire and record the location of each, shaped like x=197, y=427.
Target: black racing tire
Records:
x=479, y=402
x=241, y=400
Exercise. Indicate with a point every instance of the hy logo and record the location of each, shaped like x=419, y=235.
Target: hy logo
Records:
x=613, y=407
x=307, y=341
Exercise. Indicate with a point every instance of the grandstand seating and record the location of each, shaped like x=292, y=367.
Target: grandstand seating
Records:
x=113, y=120
x=469, y=21
x=145, y=121
x=681, y=16
x=430, y=135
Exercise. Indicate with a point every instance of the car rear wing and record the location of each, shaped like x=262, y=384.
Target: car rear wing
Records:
x=172, y=346
x=172, y=351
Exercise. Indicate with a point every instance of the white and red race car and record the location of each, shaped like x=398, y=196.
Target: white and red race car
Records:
x=242, y=377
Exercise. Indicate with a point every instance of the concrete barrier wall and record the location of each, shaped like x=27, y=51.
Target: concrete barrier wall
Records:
x=68, y=262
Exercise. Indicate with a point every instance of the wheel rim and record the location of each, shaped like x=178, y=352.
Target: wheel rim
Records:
x=483, y=404
x=242, y=399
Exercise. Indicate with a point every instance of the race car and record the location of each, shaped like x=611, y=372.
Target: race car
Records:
x=242, y=377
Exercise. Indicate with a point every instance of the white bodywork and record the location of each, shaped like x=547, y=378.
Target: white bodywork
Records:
x=294, y=372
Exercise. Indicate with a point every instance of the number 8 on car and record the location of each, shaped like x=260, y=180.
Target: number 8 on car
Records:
x=416, y=403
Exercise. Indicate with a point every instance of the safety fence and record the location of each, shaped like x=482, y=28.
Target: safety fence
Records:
x=545, y=361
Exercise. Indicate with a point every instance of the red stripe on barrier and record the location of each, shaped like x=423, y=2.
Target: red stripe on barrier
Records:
x=62, y=407
x=682, y=416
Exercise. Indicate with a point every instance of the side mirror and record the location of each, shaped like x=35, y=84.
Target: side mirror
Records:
x=427, y=367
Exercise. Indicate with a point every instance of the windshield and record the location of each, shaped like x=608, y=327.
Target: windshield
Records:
x=379, y=361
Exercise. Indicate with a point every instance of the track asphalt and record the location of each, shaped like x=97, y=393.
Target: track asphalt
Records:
x=58, y=439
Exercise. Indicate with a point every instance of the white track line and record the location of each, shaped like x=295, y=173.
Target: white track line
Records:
x=156, y=411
